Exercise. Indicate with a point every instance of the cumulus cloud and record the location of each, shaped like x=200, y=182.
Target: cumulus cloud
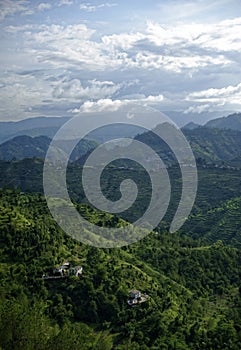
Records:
x=222, y=37
x=168, y=61
x=66, y=46
x=170, y=49
x=44, y=6
x=92, y=8
x=154, y=99
x=230, y=95
x=177, y=64
x=198, y=109
x=111, y=105
x=16, y=29
x=179, y=47
x=74, y=89
x=102, y=105
x=19, y=93
x=65, y=2
x=12, y=7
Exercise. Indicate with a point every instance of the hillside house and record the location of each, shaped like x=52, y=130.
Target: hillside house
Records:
x=64, y=270
x=75, y=271
x=135, y=297
x=134, y=294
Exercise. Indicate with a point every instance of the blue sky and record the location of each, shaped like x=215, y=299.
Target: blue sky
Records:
x=61, y=57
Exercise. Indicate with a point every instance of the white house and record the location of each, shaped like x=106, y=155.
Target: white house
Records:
x=75, y=271
x=134, y=294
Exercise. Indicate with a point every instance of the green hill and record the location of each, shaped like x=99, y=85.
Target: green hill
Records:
x=220, y=223
x=215, y=185
x=208, y=144
x=214, y=145
x=37, y=126
x=193, y=297
x=232, y=121
x=25, y=146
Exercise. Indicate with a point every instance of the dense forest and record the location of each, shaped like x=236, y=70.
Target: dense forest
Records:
x=193, y=288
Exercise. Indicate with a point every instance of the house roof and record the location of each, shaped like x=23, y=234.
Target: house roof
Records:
x=134, y=291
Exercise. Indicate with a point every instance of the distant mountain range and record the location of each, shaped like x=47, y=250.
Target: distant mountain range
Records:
x=191, y=126
x=183, y=118
x=208, y=144
x=218, y=141
x=48, y=126
x=21, y=147
x=232, y=121
x=39, y=126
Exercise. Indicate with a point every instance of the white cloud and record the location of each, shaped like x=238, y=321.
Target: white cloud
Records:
x=68, y=46
x=147, y=60
x=222, y=37
x=44, y=6
x=109, y=104
x=92, y=8
x=73, y=89
x=198, y=109
x=154, y=99
x=19, y=93
x=12, y=7
x=55, y=33
x=160, y=35
x=230, y=95
x=185, y=48
x=223, y=92
x=17, y=29
x=170, y=48
x=102, y=105
x=168, y=60
x=124, y=41
x=74, y=45
x=65, y=2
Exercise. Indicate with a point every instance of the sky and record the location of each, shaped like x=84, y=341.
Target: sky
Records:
x=62, y=57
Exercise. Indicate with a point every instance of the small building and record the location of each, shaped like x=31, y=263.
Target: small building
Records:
x=64, y=271
x=135, y=297
x=134, y=294
x=75, y=271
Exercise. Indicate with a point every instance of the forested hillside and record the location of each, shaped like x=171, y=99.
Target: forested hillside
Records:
x=232, y=121
x=216, y=184
x=22, y=147
x=212, y=145
x=209, y=144
x=193, y=290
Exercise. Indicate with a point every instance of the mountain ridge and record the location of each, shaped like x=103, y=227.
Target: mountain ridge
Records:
x=25, y=146
x=232, y=121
